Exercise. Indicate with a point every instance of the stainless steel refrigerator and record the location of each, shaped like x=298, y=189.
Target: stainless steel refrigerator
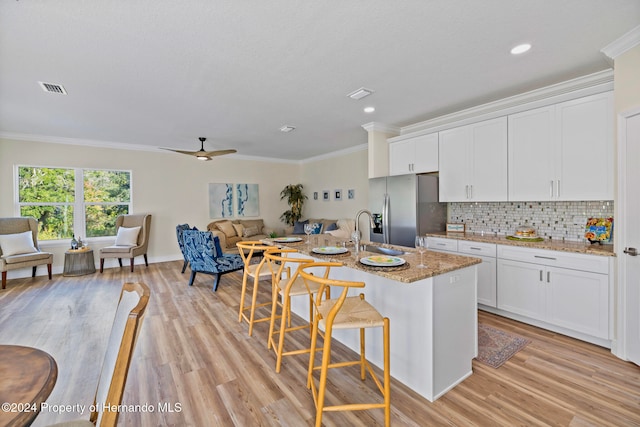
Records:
x=404, y=206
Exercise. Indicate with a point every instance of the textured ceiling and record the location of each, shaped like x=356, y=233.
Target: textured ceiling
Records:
x=162, y=73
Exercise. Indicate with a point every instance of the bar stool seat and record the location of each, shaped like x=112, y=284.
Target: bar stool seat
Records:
x=345, y=312
x=247, y=250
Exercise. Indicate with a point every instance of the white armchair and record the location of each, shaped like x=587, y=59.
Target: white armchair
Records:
x=129, y=249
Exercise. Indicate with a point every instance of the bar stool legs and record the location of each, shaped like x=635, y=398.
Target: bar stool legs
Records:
x=346, y=313
x=257, y=273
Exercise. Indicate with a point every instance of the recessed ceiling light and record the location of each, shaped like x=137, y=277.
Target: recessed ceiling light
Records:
x=287, y=128
x=360, y=93
x=521, y=48
x=369, y=109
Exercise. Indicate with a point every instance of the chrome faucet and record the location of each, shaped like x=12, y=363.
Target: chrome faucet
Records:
x=360, y=212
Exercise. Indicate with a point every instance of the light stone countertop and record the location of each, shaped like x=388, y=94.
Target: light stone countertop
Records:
x=553, y=245
x=437, y=262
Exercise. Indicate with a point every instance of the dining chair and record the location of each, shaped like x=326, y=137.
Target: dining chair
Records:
x=132, y=305
x=129, y=242
x=287, y=284
x=247, y=250
x=205, y=255
x=19, y=247
x=344, y=312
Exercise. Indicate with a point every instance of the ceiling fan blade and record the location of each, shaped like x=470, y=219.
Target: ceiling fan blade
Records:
x=219, y=153
x=203, y=155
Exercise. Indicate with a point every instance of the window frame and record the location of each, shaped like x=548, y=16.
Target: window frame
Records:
x=79, y=205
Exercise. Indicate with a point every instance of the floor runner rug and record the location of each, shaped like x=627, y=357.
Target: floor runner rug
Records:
x=496, y=347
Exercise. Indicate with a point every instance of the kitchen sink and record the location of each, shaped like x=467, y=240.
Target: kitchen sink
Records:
x=383, y=251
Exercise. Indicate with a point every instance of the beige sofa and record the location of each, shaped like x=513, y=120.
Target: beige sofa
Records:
x=233, y=231
x=344, y=227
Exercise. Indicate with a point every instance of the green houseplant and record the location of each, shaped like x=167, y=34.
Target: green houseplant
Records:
x=295, y=198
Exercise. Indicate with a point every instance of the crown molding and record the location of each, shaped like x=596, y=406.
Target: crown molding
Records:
x=147, y=148
x=628, y=41
x=590, y=84
x=77, y=141
x=381, y=127
x=338, y=153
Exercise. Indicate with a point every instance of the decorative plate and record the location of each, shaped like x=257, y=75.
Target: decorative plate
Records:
x=526, y=238
x=287, y=239
x=382, y=261
x=329, y=250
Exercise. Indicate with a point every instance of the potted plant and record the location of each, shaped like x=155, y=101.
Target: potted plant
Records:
x=295, y=198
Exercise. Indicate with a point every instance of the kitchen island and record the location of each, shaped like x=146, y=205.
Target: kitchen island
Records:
x=432, y=312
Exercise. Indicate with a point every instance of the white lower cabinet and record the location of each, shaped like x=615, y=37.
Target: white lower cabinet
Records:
x=521, y=289
x=578, y=300
x=562, y=291
x=544, y=289
x=486, y=271
x=487, y=292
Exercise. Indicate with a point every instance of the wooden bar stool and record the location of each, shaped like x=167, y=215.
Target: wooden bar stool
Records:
x=284, y=286
x=247, y=250
x=344, y=312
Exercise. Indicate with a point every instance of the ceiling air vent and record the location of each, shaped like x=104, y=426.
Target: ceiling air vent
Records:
x=52, y=88
x=360, y=93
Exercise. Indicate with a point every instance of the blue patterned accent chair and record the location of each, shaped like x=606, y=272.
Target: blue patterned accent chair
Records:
x=179, y=230
x=204, y=254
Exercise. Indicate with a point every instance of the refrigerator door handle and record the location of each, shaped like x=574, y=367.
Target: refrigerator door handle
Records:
x=385, y=219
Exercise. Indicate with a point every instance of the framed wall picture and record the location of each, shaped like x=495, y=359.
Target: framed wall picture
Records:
x=337, y=194
x=325, y=195
x=247, y=201
x=220, y=200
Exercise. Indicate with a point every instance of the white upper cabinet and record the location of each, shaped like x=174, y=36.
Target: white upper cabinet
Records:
x=563, y=152
x=414, y=155
x=586, y=144
x=473, y=162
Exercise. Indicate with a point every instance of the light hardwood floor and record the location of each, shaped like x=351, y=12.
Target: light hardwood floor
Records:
x=195, y=357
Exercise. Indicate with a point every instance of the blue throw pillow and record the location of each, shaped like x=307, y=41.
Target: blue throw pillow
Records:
x=331, y=227
x=316, y=228
x=298, y=227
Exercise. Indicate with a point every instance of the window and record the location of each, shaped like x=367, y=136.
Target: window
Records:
x=67, y=202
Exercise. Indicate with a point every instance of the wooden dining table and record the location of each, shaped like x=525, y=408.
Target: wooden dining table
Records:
x=27, y=377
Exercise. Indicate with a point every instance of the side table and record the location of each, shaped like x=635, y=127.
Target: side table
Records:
x=79, y=262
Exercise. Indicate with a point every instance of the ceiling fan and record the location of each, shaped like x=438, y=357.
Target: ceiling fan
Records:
x=201, y=154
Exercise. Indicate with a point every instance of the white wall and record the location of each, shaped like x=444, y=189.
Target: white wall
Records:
x=172, y=187
x=348, y=171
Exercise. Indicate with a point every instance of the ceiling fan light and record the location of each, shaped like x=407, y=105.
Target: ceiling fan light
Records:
x=202, y=157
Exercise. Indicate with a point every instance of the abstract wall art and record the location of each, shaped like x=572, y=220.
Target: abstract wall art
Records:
x=247, y=200
x=220, y=200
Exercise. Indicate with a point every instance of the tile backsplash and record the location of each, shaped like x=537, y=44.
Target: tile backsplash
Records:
x=554, y=220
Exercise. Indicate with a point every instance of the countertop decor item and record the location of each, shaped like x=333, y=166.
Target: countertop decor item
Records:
x=455, y=228
x=526, y=239
x=599, y=230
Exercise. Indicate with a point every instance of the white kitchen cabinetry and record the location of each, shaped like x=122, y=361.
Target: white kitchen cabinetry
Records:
x=548, y=147
x=414, y=155
x=486, y=271
x=473, y=162
x=487, y=279
x=566, y=290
